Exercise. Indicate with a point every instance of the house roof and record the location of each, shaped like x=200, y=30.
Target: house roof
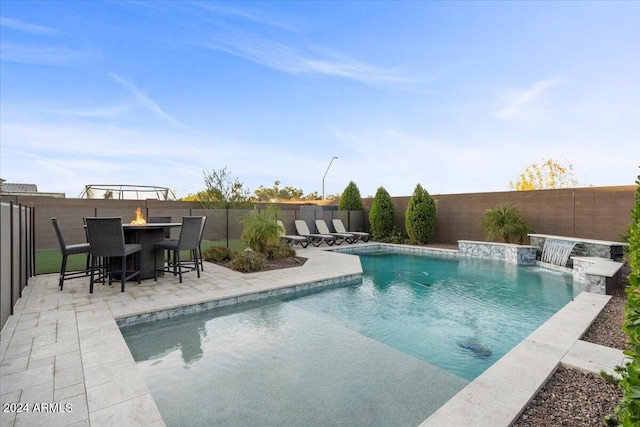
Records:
x=8, y=187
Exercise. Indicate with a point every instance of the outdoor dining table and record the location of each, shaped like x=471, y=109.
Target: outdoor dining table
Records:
x=147, y=235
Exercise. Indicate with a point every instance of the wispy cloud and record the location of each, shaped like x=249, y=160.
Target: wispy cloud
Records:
x=243, y=14
x=149, y=104
x=522, y=102
x=38, y=53
x=98, y=113
x=44, y=55
x=27, y=27
x=302, y=59
x=275, y=43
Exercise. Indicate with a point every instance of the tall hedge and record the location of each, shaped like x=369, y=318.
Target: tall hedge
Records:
x=420, y=217
x=382, y=215
x=630, y=382
x=350, y=199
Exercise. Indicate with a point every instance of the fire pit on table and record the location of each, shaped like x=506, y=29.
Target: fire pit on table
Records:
x=147, y=235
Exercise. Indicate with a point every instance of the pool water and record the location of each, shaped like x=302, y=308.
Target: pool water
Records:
x=461, y=315
x=387, y=350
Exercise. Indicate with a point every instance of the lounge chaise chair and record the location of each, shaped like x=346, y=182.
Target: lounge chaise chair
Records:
x=315, y=239
x=340, y=237
x=292, y=239
x=339, y=227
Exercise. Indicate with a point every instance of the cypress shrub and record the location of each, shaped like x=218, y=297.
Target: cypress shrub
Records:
x=420, y=217
x=350, y=199
x=382, y=215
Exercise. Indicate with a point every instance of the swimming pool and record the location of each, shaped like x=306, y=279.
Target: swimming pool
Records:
x=387, y=350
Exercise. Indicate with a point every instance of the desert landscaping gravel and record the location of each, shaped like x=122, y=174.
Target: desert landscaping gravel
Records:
x=573, y=398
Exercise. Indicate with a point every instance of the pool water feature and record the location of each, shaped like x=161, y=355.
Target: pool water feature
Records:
x=388, y=350
x=556, y=251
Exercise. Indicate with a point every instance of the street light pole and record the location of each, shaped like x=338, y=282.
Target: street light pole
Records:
x=325, y=175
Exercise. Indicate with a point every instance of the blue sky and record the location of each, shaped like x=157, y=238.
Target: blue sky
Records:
x=457, y=96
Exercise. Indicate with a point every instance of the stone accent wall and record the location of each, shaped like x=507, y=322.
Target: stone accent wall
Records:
x=516, y=254
x=595, y=284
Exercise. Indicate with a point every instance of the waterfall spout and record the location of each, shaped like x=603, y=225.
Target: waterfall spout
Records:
x=557, y=251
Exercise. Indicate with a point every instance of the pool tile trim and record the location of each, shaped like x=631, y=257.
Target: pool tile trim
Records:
x=235, y=300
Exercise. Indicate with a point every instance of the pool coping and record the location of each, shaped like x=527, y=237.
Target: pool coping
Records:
x=66, y=347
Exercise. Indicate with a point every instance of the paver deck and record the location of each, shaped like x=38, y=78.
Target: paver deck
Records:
x=64, y=362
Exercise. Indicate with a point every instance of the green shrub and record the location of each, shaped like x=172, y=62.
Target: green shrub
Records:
x=216, y=254
x=382, y=215
x=629, y=409
x=350, y=199
x=506, y=222
x=420, y=217
x=279, y=251
x=248, y=261
x=260, y=228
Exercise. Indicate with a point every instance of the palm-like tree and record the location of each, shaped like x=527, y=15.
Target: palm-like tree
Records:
x=260, y=228
x=504, y=221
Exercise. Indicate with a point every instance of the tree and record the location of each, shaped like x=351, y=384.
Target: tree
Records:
x=223, y=191
x=420, y=217
x=382, y=215
x=350, y=199
x=190, y=197
x=504, y=221
x=314, y=196
x=546, y=174
x=263, y=194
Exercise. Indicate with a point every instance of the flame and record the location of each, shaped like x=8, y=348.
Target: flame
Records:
x=139, y=219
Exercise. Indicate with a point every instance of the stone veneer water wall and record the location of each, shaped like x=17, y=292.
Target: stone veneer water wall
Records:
x=584, y=247
x=596, y=263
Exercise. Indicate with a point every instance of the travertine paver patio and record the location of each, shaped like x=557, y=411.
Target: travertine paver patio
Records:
x=62, y=352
